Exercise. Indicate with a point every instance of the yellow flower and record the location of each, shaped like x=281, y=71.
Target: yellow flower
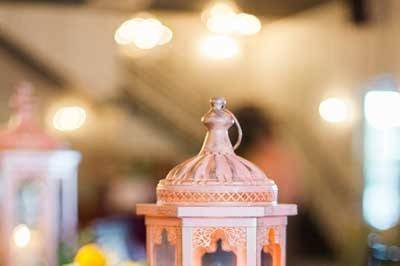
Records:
x=90, y=255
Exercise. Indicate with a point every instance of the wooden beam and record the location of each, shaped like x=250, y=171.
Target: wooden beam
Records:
x=26, y=58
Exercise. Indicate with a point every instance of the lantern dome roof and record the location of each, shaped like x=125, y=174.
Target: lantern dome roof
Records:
x=216, y=175
x=22, y=131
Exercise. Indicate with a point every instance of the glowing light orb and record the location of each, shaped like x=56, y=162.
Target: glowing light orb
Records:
x=166, y=36
x=223, y=18
x=69, y=118
x=381, y=206
x=220, y=47
x=21, y=236
x=334, y=110
x=382, y=109
x=220, y=8
x=144, y=33
x=247, y=24
x=124, y=34
x=224, y=24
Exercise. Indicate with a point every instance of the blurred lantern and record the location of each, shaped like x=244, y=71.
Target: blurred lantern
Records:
x=216, y=208
x=38, y=189
x=90, y=255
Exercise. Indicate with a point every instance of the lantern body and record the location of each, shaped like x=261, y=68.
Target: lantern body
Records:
x=216, y=208
x=38, y=191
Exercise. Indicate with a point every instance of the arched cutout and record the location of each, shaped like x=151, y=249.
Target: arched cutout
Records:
x=219, y=257
x=272, y=249
x=226, y=239
x=164, y=253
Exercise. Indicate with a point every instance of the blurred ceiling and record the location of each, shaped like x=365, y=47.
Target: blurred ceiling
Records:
x=260, y=7
x=286, y=69
x=270, y=8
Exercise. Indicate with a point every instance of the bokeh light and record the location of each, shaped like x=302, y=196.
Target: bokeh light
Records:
x=223, y=18
x=69, y=118
x=381, y=198
x=221, y=24
x=166, y=36
x=219, y=47
x=219, y=9
x=247, y=24
x=144, y=33
x=123, y=34
x=334, y=110
x=21, y=236
x=381, y=206
x=382, y=109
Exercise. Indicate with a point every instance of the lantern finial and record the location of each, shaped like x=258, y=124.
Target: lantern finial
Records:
x=22, y=102
x=23, y=132
x=221, y=118
x=217, y=121
x=218, y=103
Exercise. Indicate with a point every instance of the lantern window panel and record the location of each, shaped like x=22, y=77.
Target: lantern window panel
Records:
x=220, y=257
x=271, y=251
x=28, y=199
x=164, y=252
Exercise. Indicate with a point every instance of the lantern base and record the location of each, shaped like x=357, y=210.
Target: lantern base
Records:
x=214, y=211
x=192, y=233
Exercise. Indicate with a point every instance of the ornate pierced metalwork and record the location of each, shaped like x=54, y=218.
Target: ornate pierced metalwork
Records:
x=204, y=237
x=263, y=235
x=173, y=234
x=168, y=196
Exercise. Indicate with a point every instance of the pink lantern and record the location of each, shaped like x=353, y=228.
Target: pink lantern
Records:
x=216, y=208
x=38, y=191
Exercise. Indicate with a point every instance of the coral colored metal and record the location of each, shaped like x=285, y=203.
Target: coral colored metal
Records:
x=216, y=196
x=23, y=131
x=217, y=174
x=38, y=175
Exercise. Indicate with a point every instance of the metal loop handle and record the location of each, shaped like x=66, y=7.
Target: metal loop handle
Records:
x=239, y=129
